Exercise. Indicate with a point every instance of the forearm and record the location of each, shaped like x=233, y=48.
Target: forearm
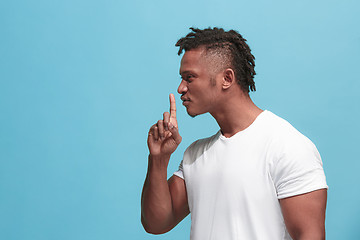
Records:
x=156, y=205
x=157, y=214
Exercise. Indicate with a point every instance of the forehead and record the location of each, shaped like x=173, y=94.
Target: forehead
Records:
x=192, y=60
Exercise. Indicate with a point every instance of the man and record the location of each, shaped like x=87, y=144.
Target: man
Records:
x=257, y=178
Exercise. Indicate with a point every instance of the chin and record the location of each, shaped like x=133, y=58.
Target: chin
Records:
x=192, y=113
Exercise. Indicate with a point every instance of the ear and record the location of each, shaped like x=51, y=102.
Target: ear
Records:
x=228, y=78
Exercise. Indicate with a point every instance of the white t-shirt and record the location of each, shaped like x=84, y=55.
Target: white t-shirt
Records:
x=234, y=184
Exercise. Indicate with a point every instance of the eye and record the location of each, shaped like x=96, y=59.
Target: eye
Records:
x=189, y=78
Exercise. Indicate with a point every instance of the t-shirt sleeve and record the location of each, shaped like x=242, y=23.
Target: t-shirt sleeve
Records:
x=187, y=155
x=179, y=172
x=298, y=168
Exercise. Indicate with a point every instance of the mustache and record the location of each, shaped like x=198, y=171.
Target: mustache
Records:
x=183, y=98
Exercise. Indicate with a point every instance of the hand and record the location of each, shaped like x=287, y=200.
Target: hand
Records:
x=164, y=136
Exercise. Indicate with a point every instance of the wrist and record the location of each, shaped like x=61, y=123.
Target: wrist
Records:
x=159, y=157
x=158, y=165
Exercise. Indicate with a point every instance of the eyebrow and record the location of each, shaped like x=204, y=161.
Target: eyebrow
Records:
x=185, y=72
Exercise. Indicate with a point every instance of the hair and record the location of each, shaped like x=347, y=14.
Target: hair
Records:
x=227, y=46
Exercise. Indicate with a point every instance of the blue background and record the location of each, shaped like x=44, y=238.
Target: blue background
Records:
x=82, y=81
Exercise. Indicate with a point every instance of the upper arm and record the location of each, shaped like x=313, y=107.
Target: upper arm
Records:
x=180, y=207
x=304, y=214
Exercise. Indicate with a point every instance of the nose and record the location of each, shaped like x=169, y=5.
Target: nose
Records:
x=182, y=87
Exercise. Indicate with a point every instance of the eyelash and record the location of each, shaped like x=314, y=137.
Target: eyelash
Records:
x=187, y=78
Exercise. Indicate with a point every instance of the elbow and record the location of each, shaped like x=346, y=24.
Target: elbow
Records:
x=153, y=229
x=150, y=230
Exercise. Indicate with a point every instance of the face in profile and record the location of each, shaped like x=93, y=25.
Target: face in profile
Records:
x=198, y=87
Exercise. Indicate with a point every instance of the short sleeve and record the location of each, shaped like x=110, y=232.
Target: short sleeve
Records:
x=179, y=172
x=298, y=169
x=187, y=156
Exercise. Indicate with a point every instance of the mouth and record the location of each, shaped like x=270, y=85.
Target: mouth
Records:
x=185, y=101
x=184, y=98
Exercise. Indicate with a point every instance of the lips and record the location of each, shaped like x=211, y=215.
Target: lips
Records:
x=185, y=101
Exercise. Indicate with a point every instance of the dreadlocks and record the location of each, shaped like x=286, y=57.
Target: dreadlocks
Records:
x=230, y=46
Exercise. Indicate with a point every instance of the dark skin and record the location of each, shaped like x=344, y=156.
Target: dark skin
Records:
x=164, y=202
x=304, y=215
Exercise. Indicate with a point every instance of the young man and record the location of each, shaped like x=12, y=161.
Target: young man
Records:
x=256, y=178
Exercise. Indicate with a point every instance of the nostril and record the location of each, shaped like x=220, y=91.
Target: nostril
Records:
x=182, y=88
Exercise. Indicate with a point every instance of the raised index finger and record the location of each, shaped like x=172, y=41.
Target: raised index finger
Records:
x=172, y=106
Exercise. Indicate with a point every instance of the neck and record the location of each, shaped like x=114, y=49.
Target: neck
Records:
x=236, y=114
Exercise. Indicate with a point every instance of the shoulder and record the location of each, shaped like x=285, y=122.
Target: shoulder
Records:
x=283, y=133
x=277, y=123
x=295, y=163
x=201, y=145
x=204, y=142
x=288, y=146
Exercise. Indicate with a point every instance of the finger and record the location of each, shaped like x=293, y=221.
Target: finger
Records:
x=166, y=118
x=156, y=133
x=160, y=126
x=172, y=106
x=175, y=133
x=151, y=130
x=151, y=134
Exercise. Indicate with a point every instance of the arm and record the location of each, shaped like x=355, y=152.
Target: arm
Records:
x=304, y=215
x=163, y=203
